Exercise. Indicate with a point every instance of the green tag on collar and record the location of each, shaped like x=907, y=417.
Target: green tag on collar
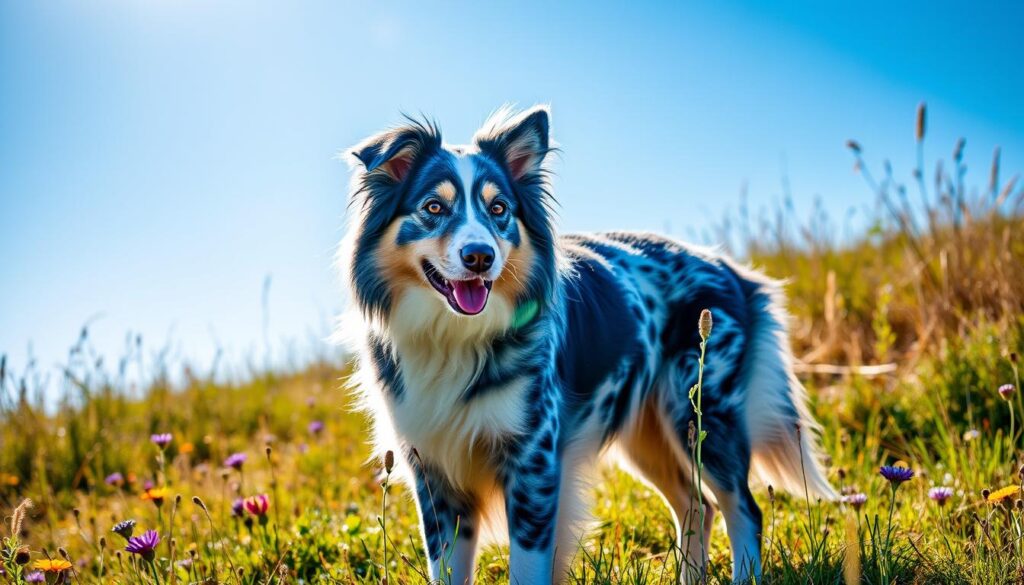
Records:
x=525, y=313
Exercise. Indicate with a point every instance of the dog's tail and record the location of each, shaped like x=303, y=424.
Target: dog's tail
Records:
x=783, y=434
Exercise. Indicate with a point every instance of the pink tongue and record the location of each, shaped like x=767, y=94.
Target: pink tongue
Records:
x=470, y=295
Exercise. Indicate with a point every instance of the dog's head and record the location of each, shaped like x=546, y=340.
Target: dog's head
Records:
x=464, y=223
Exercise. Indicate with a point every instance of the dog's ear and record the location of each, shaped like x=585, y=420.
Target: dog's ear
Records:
x=393, y=152
x=520, y=141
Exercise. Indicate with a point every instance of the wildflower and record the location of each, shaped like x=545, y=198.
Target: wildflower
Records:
x=161, y=439
x=704, y=324
x=156, y=495
x=124, y=529
x=238, y=507
x=144, y=545
x=1002, y=494
x=9, y=480
x=51, y=565
x=971, y=435
x=235, y=461
x=22, y=556
x=856, y=500
x=115, y=479
x=389, y=461
x=316, y=427
x=940, y=494
x=1006, y=391
x=896, y=474
x=35, y=577
x=186, y=448
x=258, y=506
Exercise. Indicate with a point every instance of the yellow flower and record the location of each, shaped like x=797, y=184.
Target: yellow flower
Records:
x=51, y=565
x=186, y=448
x=158, y=495
x=1003, y=493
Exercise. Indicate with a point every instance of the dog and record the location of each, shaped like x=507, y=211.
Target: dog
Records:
x=501, y=361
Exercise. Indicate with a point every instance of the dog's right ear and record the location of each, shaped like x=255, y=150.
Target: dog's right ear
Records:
x=394, y=152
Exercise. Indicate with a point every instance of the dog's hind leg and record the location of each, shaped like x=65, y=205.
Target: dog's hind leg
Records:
x=655, y=455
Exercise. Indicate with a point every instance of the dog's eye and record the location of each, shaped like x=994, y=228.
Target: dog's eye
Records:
x=497, y=208
x=433, y=207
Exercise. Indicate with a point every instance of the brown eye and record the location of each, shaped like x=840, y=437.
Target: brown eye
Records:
x=433, y=207
x=497, y=208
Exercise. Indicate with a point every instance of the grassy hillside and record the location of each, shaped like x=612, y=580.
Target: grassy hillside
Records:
x=905, y=335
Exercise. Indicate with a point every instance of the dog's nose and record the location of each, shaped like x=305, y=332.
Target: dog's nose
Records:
x=477, y=257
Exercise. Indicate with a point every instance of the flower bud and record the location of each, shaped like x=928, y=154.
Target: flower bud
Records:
x=704, y=325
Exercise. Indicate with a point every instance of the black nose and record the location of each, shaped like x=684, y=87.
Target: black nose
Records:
x=477, y=257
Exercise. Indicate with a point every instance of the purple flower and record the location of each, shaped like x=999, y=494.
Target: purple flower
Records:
x=124, y=529
x=235, y=460
x=115, y=479
x=238, y=508
x=940, y=494
x=144, y=545
x=35, y=577
x=1006, y=391
x=316, y=427
x=856, y=500
x=161, y=439
x=896, y=474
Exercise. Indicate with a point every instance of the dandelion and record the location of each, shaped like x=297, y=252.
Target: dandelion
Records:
x=257, y=505
x=115, y=479
x=124, y=529
x=51, y=565
x=940, y=495
x=235, y=461
x=1002, y=494
x=161, y=439
x=35, y=577
x=156, y=495
x=855, y=500
x=896, y=474
x=316, y=427
x=144, y=545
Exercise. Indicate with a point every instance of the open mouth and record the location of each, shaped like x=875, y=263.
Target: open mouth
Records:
x=468, y=297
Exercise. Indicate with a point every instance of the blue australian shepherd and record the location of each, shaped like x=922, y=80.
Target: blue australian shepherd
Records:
x=502, y=361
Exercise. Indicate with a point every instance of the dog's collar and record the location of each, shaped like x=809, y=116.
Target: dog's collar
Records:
x=525, y=313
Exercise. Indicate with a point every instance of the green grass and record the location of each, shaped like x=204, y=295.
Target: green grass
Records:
x=943, y=300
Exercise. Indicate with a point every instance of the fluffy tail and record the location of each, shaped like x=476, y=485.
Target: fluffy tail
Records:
x=783, y=434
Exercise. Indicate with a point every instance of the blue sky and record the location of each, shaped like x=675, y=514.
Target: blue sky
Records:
x=159, y=159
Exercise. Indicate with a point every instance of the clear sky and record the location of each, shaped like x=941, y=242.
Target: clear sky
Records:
x=159, y=158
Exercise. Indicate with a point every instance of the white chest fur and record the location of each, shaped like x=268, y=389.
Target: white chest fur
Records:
x=439, y=355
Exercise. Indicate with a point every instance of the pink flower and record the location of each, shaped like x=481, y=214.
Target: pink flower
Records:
x=257, y=505
x=940, y=494
x=1006, y=391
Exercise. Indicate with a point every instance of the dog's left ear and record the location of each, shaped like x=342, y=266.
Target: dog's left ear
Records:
x=520, y=141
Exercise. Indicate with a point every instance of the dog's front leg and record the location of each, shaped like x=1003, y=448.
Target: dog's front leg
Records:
x=448, y=519
x=531, y=499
